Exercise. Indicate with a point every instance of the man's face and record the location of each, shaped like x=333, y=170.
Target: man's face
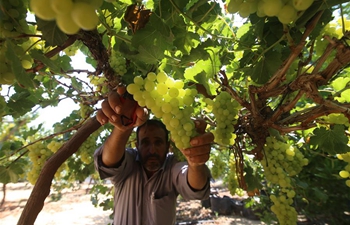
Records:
x=152, y=147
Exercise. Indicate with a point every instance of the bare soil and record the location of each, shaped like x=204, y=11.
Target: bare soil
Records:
x=76, y=208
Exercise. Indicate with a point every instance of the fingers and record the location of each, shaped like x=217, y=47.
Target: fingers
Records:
x=197, y=155
x=206, y=138
x=114, y=102
x=141, y=116
x=101, y=117
x=201, y=125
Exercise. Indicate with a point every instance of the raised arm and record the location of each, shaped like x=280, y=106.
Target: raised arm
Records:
x=197, y=155
x=112, y=111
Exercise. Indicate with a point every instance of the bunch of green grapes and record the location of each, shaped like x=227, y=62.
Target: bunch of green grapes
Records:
x=219, y=166
x=85, y=110
x=117, y=62
x=345, y=173
x=285, y=10
x=232, y=179
x=53, y=146
x=87, y=149
x=225, y=110
x=70, y=15
x=169, y=100
x=282, y=161
x=283, y=209
x=13, y=19
x=100, y=83
x=38, y=154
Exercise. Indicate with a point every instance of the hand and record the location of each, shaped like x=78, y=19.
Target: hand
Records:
x=199, y=152
x=114, y=108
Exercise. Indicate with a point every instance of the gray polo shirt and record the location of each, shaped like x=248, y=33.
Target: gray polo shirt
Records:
x=139, y=200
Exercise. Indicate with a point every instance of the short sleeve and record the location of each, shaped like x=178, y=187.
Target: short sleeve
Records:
x=114, y=173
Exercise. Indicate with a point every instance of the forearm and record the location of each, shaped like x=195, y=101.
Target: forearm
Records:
x=114, y=147
x=197, y=176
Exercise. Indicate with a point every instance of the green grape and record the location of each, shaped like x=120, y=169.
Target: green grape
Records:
x=62, y=6
x=133, y=88
x=244, y=9
x=287, y=14
x=43, y=9
x=347, y=182
x=173, y=92
x=233, y=6
x=302, y=5
x=344, y=174
x=162, y=88
x=151, y=76
x=138, y=80
x=79, y=12
x=272, y=7
x=179, y=84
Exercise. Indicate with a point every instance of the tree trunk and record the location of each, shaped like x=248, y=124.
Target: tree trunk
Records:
x=41, y=189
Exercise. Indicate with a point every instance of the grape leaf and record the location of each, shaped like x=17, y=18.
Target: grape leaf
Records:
x=344, y=96
x=340, y=83
x=266, y=67
x=333, y=141
x=150, y=55
x=243, y=30
x=54, y=66
x=51, y=33
x=4, y=176
x=185, y=41
x=152, y=41
x=155, y=33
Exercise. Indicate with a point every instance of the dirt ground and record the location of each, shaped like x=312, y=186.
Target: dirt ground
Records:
x=76, y=208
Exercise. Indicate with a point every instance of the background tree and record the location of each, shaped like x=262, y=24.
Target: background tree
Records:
x=274, y=90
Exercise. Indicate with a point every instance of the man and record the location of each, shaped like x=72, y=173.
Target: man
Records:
x=148, y=180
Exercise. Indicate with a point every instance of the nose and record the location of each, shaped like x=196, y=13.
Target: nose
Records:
x=152, y=149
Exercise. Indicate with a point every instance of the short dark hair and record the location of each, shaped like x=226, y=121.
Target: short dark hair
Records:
x=153, y=122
